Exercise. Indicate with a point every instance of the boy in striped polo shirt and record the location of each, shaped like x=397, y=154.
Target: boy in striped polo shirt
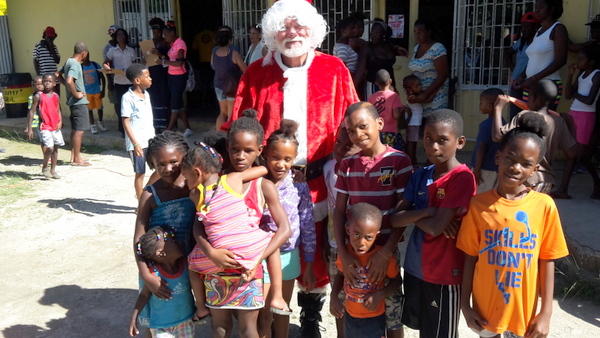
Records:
x=440, y=194
x=377, y=175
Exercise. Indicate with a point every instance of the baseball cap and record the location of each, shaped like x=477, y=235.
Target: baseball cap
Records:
x=529, y=17
x=595, y=22
x=112, y=29
x=50, y=32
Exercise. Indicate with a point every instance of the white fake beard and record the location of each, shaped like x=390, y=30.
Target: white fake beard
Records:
x=294, y=51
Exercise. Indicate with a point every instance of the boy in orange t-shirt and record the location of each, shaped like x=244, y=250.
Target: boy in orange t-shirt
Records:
x=511, y=236
x=364, y=313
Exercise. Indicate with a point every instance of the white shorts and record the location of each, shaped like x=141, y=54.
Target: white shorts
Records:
x=51, y=138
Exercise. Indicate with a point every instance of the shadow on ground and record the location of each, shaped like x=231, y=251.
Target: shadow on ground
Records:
x=17, y=174
x=90, y=313
x=22, y=160
x=580, y=309
x=88, y=206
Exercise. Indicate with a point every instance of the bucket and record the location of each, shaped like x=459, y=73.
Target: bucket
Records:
x=16, y=88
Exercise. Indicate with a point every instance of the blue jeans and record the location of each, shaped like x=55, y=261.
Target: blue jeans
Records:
x=364, y=327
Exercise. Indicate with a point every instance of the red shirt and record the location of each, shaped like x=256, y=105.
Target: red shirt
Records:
x=49, y=111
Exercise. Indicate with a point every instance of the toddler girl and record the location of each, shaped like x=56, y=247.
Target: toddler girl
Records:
x=173, y=317
x=412, y=87
x=166, y=201
x=280, y=153
x=511, y=236
x=583, y=110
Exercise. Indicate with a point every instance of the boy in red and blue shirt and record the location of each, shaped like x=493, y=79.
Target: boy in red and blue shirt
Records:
x=440, y=194
x=376, y=175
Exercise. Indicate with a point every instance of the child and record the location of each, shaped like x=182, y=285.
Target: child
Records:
x=559, y=138
x=583, y=110
x=342, y=148
x=529, y=26
x=38, y=85
x=93, y=80
x=390, y=109
x=173, y=317
x=440, y=194
x=225, y=219
x=364, y=310
x=376, y=175
x=166, y=201
x=138, y=123
x=279, y=155
x=515, y=222
x=51, y=122
x=342, y=49
x=483, y=162
x=412, y=87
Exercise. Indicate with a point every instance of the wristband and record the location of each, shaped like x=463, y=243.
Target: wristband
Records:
x=135, y=145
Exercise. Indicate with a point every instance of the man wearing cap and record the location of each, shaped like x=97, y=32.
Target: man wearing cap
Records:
x=45, y=55
x=293, y=81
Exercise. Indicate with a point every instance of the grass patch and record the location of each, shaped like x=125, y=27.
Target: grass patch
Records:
x=573, y=282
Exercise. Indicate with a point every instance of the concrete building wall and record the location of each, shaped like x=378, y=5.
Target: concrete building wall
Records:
x=82, y=20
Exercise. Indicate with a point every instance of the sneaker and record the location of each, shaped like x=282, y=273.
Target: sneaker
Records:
x=55, y=176
x=93, y=129
x=101, y=126
x=187, y=133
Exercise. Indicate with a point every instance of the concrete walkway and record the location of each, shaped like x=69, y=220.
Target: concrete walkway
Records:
x=580, y=216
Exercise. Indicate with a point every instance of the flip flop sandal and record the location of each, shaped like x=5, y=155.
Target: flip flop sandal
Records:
x=281, y=312
x=81, y=164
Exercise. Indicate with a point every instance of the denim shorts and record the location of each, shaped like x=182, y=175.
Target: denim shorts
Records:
x=139, y=162
x=364, y=327
x=221, y=96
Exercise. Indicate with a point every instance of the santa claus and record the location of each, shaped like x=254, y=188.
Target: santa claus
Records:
x=293, y=81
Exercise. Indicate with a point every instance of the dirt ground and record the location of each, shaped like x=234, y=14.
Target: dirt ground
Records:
x=68, y=269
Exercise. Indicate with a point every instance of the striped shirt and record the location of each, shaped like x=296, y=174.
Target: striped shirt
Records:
x=376, y=181
x=346, y=54
x=44, y=59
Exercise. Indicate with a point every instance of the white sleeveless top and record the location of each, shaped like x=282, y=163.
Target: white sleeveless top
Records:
x=584, y=88
x=541, y=54
x=255, y=55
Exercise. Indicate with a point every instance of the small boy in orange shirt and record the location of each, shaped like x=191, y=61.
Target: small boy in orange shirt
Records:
x=364, y=312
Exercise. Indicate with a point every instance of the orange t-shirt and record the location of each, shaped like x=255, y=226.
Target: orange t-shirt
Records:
x=355, y=296
x=509, y=238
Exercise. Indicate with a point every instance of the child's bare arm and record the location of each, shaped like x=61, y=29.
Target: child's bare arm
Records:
x=540, y=325
x=349, y=262
x=141, y=301
x=373, y=299
x=473, y=319
x=279, y=217
x=501, y=102
x=70, y=84
x=404, y=217
x=588, y=99
x=34, y=105
x=137, y=148
x=335, y=304
x=251, y=173
x=436, y=224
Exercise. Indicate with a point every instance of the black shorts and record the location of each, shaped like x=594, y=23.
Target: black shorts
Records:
x=139, y=162
x=80, y=119
x=176, y=89
x=433, y=309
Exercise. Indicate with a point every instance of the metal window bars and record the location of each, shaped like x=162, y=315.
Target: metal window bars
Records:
x=240, y=15
x=133, y=16
x=483, y=29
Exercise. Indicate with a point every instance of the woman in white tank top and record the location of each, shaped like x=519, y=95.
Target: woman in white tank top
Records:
x=548, y=51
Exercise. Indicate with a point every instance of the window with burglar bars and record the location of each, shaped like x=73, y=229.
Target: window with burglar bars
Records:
x=483, y=29
x=335, y=10
x=133, y=16
x=241, y=14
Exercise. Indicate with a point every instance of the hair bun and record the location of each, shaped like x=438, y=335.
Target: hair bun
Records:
x=251, y=113
x=288, y=127
x=534, y=123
